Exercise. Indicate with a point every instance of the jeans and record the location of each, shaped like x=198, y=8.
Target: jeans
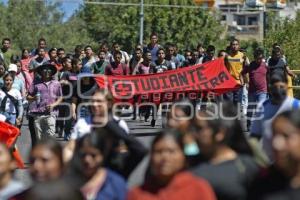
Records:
x=11, y=118
x=66, y=121
x=254, y=100
x=85, y=113
x=239, y=96
x=44, y=126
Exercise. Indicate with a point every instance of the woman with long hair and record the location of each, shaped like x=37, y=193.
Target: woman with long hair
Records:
x=88, y=171
x=228, y=163
x=46, y=161
x=282, y=179
x=166, y=177
x=11, y=101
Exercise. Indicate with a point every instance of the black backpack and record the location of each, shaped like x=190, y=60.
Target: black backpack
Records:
x=12, y=99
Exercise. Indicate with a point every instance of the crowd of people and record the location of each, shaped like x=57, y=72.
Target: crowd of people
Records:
x=202, y=153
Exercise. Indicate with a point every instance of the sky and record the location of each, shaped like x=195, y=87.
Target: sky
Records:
x=68, y=6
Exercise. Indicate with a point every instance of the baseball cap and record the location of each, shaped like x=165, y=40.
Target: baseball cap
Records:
x=13, y=68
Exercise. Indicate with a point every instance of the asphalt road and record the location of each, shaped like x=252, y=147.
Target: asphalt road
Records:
x=140, y=129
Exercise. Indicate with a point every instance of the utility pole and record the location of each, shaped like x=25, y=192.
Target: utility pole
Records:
x=142, y=22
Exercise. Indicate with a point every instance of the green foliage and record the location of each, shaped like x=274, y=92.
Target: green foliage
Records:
x=183, y=26
x=286, y=33
x=25, y=21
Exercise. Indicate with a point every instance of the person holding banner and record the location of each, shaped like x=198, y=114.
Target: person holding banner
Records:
x=161, y=63
x=116, y=67
x=135, y=61
x=257, y=71
x=235, y=62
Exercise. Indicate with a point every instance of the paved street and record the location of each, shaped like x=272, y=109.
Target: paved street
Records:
x=141, y=130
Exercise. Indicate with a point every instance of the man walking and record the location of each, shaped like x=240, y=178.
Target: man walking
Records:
x=45, y=95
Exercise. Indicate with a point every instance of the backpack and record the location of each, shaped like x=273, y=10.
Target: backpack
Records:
x=12, y=99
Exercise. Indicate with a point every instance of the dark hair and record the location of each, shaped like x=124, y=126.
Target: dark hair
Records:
x=53, y=146
x=117, y=53
x=52, y=49
x=6, y=39
x=100, y=139
x=210, y=48
x=275, y=78
x=15, y=59
x=234, y=40
x=88, y=46
x=160, y=49
x=42, y=40
x=174, y=134
x=23, y=51
x=60, y=49
x=234, y=136
x=221, y=51
x=187, y=51
x=292, y=116
x=115, y=43
x=276, y=44
x=145, y=53
x=38, y=49
x=100, y=51
x=138, y=49
x=9, y=74
x=64, y=59
x=153, y=34
x=258, y=52
x=276, y=50
x=104, y=44
x=78, y=47
x=75, y=61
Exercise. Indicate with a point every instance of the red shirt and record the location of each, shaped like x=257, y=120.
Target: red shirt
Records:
x=257, y=77
x=183, y=186
x=117, y=69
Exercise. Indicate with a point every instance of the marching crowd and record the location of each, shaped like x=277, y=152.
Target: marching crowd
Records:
x=202, y=153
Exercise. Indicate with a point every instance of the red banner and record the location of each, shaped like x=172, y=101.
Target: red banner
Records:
x=209, y=77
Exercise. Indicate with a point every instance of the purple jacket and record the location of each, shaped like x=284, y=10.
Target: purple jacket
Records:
x=49, y=93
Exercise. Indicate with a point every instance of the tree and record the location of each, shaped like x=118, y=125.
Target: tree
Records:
x=285, y=32
x=25, y=21
x=184, y=26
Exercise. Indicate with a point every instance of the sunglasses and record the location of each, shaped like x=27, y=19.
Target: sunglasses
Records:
x=47, y=70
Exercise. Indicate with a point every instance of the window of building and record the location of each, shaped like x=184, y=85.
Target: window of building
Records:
x=241, y=20
x=253, y=20
x=223, y=18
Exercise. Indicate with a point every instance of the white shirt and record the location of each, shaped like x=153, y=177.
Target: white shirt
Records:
x=82, y=127
x=9, y=106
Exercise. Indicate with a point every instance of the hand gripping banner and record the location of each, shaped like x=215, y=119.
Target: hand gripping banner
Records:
x=209, y=77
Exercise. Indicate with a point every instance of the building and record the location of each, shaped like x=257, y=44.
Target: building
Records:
x=245, y=19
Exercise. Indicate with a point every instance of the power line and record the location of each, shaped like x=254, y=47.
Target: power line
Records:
x=101, y=3
x=170, y=6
